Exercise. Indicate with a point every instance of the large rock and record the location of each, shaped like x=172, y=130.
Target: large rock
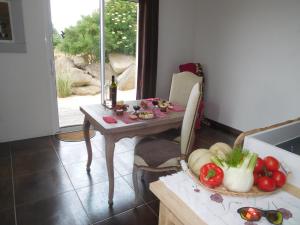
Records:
x=94, y=70
x=126, y=81
x=109, y=71
x=79, y=61
x=63, y=65
x=120, y=62
x=79, y=77
x=86, y=90
x=95, y=82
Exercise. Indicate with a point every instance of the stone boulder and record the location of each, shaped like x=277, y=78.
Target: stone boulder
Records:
x=63, y=65
x=79, y=61
x=95, y=82
x=127, y=80
x=79, y=77
x=94, y=70
x=86, y=90
x=120, y=62
x=109, y=71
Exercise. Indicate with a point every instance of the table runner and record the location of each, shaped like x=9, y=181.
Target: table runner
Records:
x=216, y=209
x=176, y=107
x=126, y=119
x=158, y=114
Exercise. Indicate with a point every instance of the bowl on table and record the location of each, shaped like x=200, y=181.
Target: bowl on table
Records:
x=119, y=112
x=120, y=109
x=163, y=105
x=144, y=104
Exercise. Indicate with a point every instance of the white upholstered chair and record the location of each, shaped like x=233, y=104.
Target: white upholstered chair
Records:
x=181, y=86
x=154, y=154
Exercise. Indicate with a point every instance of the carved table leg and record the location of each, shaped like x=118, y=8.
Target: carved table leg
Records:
x=109, y=154
x=86, y=131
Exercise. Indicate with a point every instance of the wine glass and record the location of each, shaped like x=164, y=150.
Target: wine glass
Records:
x=155, y=103
x=136, y=108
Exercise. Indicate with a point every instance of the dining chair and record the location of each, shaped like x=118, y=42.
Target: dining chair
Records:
x=158, y=155
x=181, y=86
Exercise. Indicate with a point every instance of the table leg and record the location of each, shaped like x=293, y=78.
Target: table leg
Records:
x=86, y=131
x=109, y=154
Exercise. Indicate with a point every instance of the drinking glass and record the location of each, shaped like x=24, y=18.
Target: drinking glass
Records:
x=136, y=108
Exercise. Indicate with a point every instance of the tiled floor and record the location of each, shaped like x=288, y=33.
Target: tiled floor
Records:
x=43, y=181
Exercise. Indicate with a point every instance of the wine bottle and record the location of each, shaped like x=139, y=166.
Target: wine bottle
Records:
x=113, y=92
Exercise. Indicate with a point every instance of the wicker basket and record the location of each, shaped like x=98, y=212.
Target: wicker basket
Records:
x=254, y=192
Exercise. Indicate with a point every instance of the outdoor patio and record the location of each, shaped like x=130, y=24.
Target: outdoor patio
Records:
x=68, y=108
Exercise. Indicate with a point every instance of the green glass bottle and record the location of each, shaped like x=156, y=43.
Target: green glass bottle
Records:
x=113, y=92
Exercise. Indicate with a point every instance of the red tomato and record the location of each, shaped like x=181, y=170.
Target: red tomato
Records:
x=271, y=163
x=256, y=177
x=259, y=165
x=266, y=184
x=279, y=178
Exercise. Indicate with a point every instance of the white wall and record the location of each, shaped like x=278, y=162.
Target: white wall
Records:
x=175, y=40
x=251, y=54
x=26, y=107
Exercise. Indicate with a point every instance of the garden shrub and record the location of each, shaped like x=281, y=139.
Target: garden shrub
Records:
x=121, y=26
x=63, y=85
x=120, y=31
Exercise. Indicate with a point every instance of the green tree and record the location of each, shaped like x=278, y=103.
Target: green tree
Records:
x=83, y=38
x=56, y=38
x=120, y=31
x=121, y=26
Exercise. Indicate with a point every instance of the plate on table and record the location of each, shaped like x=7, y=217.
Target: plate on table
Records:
x=146, y=115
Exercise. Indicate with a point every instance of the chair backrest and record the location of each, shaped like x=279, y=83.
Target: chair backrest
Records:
x=189, y=119
x=181, y=86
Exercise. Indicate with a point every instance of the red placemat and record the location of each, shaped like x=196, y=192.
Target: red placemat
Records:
x=109, y=119
x=126, y=119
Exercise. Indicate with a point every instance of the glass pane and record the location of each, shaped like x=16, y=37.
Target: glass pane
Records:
x=120, y=18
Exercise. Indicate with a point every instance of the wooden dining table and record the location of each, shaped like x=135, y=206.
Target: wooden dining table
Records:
x=93, y=115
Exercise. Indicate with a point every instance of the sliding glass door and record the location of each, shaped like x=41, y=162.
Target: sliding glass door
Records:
x=119, y=41
x=92, y=41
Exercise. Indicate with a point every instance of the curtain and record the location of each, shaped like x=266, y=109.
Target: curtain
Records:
x=147, y=48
